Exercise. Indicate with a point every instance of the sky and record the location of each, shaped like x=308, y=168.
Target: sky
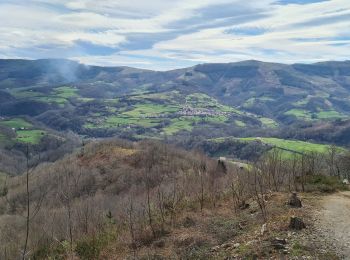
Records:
x=170, y=34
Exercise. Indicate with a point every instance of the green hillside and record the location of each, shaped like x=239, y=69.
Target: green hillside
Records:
x=22, y=131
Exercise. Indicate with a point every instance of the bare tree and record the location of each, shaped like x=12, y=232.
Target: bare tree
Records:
x=259, y=190
x=28, y=205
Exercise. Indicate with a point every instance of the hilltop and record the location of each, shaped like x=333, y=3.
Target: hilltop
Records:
x=120, y=200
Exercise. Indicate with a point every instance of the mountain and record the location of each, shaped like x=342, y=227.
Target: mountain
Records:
x=210, y=100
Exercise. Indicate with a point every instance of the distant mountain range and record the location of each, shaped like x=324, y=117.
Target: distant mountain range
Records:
x=105, y=101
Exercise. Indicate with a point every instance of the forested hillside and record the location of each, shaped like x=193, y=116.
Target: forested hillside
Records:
x=248, y=98
x=119, y=200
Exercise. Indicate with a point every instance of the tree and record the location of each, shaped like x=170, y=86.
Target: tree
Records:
x=28, y=206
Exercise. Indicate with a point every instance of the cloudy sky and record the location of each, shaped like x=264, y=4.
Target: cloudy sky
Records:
x=167, y=34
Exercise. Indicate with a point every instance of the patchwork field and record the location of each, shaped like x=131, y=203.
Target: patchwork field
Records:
x=16, y=123
x=59, y=96
x=288, y=148
x=23, y=132
x=308, y=115
x=108, y=110
x=297, y=146
x=168, y=113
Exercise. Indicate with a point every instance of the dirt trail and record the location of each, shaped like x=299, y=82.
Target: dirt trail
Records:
x=333, y=222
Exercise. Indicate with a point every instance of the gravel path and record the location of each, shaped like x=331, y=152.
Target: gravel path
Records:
x=333, y=222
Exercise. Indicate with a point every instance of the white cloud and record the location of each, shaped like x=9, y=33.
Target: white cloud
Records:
x=175, y=33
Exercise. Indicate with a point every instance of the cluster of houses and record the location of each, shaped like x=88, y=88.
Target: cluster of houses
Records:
x=19, y=128
x=190, y=111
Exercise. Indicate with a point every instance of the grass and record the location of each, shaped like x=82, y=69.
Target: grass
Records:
x=268, y=122
x=251, y=101
x=177, y=125
x=29, y=136
x=16, y=123
x=151, y=110
x=240, y=123
x=329, y=114
x=298, y=146
x=307, y=115
x=216, y=119
x=292, y=145
x=58, y=95
x=300, y=113
x=52, y=99
x=65, y=92
x=164, y=96
x=25, y=132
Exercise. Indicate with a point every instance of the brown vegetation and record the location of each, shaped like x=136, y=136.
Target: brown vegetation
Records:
x=116, y=199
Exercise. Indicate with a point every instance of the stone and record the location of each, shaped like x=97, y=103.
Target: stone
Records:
x=225, y=246
x=243, y=205
x=278, y=243
x=159, y=243
x=296, y=223
x=263, y=229
x=294, y=201
x=188, y=222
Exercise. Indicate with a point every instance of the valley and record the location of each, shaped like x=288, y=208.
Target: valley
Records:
x=239, y=98
x=195, y=163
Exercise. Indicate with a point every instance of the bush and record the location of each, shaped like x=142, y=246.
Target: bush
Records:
x=53, y=251
x=198, y=248
x=324, y=183
x=223, y=229
x=88, y=249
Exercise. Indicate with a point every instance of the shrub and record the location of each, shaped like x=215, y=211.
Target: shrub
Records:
x=88, y=249
x=198, y=249
x=53, y=251
x=223, y=229
x=324, y=183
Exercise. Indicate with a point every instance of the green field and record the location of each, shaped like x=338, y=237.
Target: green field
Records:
x=25, y=132
x=294, y=146
x=151, y=110
x=58, y=95
x=300, y=113
x=29, y=136
x=329, y=114
x=179, y=124
x=16, y=123
x=268, y=122
x=297, y=146
x=252, y=101
x=308, y=116
x=240, y=123
x=65, y=92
